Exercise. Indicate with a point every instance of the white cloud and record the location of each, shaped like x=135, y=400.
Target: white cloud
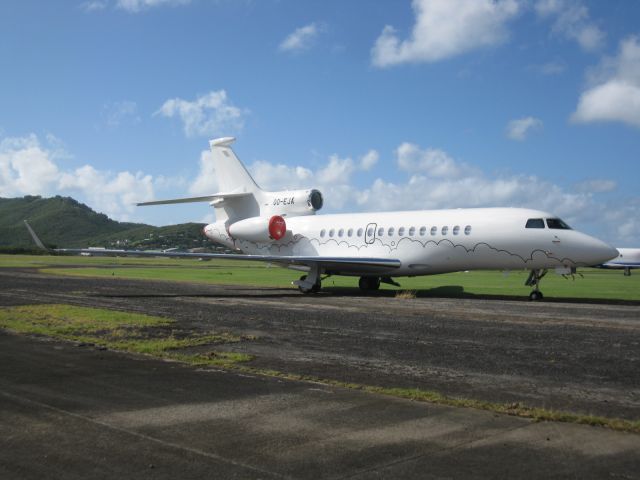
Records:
x=300, y=39
x=29, y=168
x=205, y=183
x=135, y=6
x=368, y=160
x=622, y=222
x=122, y=112
x=434, y=162
x=549, y=68
x=445, y=28
x=439, y=181
x=114, y=194
x=599, y=185
x=615, y=95
x=208, y=115
x=25, y=167
x=280, y=176
x=519, y=129
x=335, y=175
x=94, y=5
x=571, y=20
x=337, y=170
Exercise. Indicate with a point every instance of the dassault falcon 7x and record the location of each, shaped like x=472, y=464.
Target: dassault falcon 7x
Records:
x=282, y=228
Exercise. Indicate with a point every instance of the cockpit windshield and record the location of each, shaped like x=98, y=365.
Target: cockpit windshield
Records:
x=557, y=224
x=535, y=223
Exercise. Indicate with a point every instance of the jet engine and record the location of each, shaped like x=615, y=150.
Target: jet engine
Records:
x=259, y=229
x=294, y=202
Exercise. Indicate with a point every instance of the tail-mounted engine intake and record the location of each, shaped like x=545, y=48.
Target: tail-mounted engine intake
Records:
x=294, y=202
x=259, y=229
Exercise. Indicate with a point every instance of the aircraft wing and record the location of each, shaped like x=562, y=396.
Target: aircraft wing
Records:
x=328, y=264
x=351, y=264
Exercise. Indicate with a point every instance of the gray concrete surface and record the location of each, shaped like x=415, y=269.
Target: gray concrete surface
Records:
x=70, y=412
x=76, y=412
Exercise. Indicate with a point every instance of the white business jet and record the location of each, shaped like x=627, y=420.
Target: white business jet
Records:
x=627, y=259
x=283, y=228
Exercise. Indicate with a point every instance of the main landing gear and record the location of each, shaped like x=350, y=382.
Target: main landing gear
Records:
x=314, y=288
x=534, y=281
x=310, y=283
x=369, y=284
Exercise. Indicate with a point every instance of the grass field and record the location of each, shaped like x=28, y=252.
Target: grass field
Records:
x=128, y=332
x=592, y=284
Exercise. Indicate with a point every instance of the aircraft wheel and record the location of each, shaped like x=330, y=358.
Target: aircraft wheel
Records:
x=535, y=295
x=314, y=289
x=369, y=283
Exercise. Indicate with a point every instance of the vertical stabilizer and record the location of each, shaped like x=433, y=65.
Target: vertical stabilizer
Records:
x=231, y=174
x=233, y=177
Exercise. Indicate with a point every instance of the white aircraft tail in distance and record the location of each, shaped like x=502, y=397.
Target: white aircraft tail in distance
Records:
x=282, y=228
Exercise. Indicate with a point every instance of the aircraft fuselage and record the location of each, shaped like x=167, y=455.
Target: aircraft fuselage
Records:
x=433, y=241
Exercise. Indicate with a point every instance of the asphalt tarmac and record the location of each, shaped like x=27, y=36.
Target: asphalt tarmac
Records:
x=78, y=412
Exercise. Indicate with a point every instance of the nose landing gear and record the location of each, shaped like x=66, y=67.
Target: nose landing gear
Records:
x=534, y=281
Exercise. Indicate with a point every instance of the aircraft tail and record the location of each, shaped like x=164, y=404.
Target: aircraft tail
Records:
x=239, y=196
x=231, y=174
x=243, y=196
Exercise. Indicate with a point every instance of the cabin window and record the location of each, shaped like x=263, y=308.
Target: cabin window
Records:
x=360, y=232
x=535, y=223
x=350, y=232
x=401, y=231
x=380, y=232
x=557, y=224
x=331, y=232
x=423, y=231
x=341, y=232
x=467, y=230
x=434, y=230
x=391, y=231
x=445, y=230
x=456, y=230
x=412, y=231
x=322, y=233
x=370, y=232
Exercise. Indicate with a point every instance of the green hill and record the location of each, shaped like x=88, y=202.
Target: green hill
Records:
x=64, y=222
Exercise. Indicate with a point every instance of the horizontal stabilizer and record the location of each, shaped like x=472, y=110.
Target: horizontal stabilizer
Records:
x=206, y=198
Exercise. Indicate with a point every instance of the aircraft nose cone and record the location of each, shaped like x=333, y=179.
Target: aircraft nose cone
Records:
x=603, y=252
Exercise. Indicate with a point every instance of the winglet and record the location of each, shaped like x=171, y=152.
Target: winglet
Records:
x=35, y=237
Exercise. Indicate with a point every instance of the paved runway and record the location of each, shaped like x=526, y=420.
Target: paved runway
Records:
x=70, y=412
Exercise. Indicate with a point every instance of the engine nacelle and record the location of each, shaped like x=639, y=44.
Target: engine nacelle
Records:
x=294, y=202
x=259, y=229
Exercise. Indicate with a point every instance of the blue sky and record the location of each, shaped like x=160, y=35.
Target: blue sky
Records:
x=382, y=105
